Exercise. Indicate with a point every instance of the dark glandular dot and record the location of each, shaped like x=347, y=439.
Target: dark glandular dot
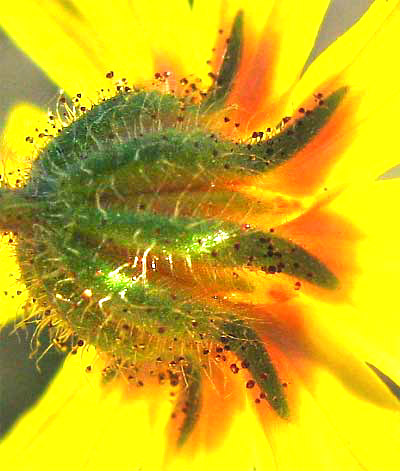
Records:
x=250, y=384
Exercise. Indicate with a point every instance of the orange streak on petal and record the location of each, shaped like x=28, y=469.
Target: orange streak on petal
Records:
x=165, y=62
x=308, y=169
x=285, y=330
x=254, y=79
x=252, y=87
x=281, y=325
x=281, y=208
x=332, y=239
x=222, y=397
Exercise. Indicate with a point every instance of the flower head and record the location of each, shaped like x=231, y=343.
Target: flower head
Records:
x=189, y=229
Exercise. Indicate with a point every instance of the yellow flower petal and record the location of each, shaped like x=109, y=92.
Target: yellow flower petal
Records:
x=114, y=431
x=122, y=44
x=42, y=436
x=361, y=318
x=15, y=155
x=117, y=429
x=12, y=294
x=362, y=59
x=375, y=288
x=294, y=41
x=82, y=37
x=178, y=44
x=338, y=339
x=58, y=48
x=20, y=123
x=371, y=433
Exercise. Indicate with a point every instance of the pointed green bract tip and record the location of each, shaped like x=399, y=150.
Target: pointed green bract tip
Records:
x=224, y=81
x=247, y=345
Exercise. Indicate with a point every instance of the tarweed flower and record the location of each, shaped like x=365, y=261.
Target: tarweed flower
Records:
x=201, y=227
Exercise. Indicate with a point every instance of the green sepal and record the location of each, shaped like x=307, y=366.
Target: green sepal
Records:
x=245, y=343
x=163, y=160
x=170, y=160
x=224, y=81
x=273, y=254
x=212, y=203
x=208, y=241
x=120, y=117
x=273, y=152
x=145, y=304
x=192, y=399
